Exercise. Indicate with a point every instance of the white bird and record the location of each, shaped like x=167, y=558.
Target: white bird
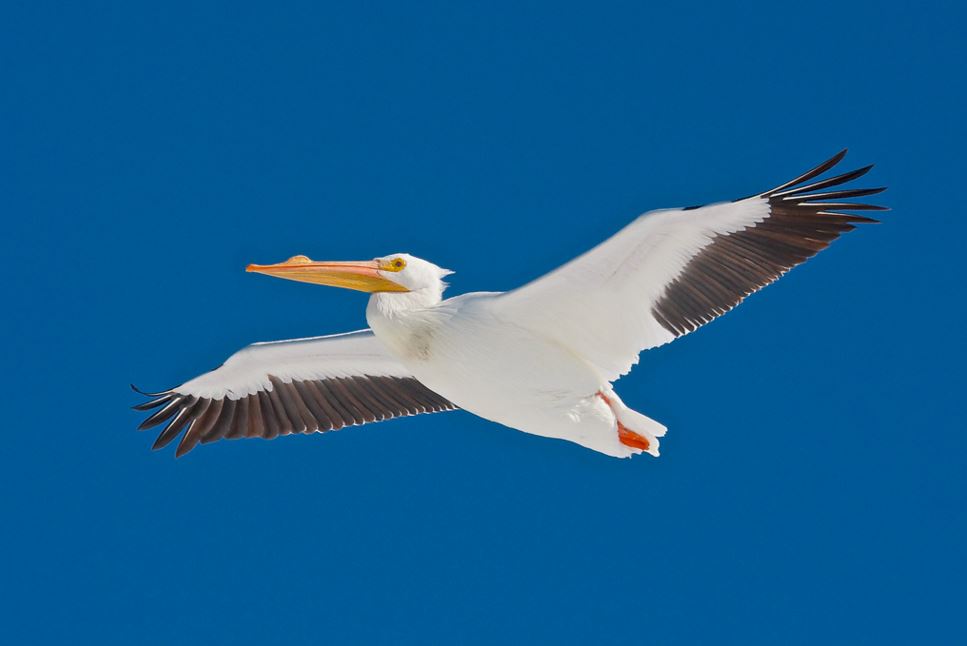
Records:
x=541, y=358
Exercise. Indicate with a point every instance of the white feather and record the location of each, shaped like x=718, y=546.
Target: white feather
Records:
x=339, y=355
x=599, y=304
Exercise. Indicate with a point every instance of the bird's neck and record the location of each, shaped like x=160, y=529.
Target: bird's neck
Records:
x=398, y=319
x=390, y=305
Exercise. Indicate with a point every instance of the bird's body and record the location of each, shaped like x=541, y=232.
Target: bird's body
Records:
x=462, y=349
x=541, y=358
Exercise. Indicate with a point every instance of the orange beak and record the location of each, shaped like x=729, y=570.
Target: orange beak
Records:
x=363, y=275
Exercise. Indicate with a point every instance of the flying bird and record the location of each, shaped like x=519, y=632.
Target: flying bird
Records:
x=542, y=358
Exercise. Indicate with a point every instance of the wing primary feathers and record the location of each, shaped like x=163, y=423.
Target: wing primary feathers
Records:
x=147, y=394
x=732, y=265
x=173, y=407
x=853, y=206
x=833, y=195
x=814, y=172
x=154, y=403
x=826, y=183
x=192, y=426
x=175, y=425
x=199, y=427
x=849, y=217
x=279, y=388
x=295, y=407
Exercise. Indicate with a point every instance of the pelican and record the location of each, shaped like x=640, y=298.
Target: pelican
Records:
x=542, y=358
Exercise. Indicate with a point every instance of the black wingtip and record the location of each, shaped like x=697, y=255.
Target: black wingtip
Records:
x=163, y=440
x=811, y=173
x=832, y=161
x=147, y=394
x=859, y=172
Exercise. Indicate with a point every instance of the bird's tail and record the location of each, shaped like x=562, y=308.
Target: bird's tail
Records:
x=634, y=429
x=641, y=425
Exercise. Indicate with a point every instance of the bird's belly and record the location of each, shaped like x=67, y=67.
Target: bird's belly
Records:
x=507, y=375
x=502, y=373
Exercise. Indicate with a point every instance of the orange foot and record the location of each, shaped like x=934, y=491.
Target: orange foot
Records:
x=632, y=439
x=625, y=435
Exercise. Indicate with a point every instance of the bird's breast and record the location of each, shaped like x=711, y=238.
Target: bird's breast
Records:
x=409, y=338
x=417, y=342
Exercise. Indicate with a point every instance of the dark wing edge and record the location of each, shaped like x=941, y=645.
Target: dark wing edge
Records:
x=298, y=406
x=804, y=218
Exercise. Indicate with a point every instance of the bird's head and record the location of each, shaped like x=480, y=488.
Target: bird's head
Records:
x=398, y=272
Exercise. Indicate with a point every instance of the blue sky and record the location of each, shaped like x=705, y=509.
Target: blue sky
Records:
x=812, y=484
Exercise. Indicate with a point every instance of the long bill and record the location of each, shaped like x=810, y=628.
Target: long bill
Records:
x=361, y=275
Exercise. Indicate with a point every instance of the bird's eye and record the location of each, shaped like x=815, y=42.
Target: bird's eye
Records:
x=396, y=264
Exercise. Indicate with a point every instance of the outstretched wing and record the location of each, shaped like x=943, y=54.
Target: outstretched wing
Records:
x=671, y=271
x=283, y=387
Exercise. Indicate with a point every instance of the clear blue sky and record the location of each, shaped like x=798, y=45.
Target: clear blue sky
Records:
x=812, y=485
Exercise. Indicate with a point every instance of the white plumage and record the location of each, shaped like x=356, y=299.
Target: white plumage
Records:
x=541, y=358
x=353, y=354
x=600, y=304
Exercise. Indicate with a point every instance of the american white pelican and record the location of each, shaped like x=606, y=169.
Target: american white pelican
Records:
x=541, y=358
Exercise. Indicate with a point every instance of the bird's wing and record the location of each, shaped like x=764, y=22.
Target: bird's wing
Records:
x=671, y=271
x=282, y=387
